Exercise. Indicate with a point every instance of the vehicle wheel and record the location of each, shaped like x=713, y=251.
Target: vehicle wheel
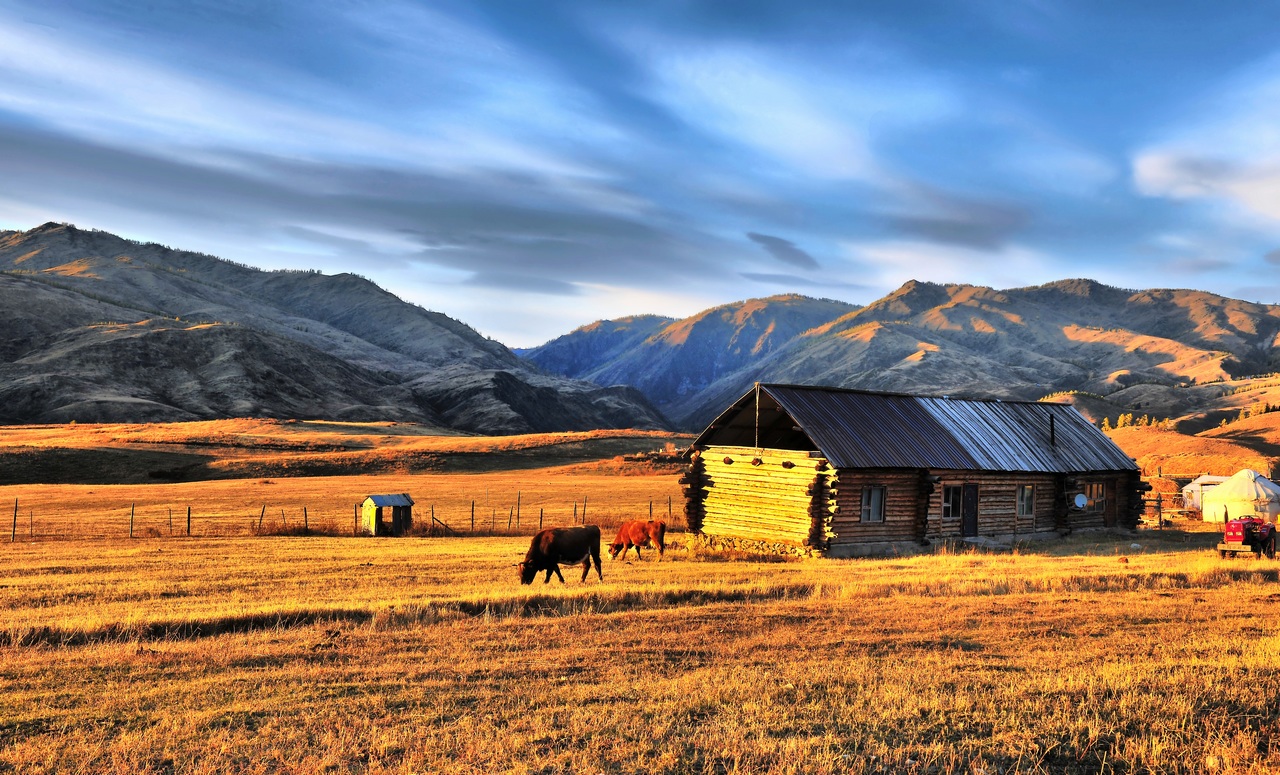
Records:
x=1222, y=553
x=1270, y=548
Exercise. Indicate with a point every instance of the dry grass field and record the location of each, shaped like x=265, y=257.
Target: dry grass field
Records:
x=356, y=655
x=250, y=448
x=235, y=650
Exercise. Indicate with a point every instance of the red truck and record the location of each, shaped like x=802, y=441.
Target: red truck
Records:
x=1248, y=535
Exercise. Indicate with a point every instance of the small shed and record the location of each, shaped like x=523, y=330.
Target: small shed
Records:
x=1193, y=493
x=839, y=472
x=387, y=515
x=1246, y=494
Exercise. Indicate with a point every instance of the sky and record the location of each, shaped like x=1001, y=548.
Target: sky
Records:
x=530, y=167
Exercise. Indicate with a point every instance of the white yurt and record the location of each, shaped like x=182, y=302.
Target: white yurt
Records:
x=1192, y=493
x=1246, y=494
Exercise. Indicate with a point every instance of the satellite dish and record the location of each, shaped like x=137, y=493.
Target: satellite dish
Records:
x=1081, y=500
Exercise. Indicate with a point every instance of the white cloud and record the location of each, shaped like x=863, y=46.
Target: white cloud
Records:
x=1229, y=151
x=819, y=122
x=74, y=83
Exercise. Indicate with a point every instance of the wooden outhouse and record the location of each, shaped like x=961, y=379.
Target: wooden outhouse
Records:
x=841, y=472
x=387, y=515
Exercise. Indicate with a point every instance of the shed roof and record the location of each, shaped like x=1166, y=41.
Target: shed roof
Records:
x=397, y=499
x=864, y=429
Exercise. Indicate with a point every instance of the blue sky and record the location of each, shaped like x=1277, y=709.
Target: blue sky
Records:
x=531, y=167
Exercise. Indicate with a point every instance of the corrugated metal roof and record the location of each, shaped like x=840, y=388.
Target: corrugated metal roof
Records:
x=863, y=429
x=399, y=499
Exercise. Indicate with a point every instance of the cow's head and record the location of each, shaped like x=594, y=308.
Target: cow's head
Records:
x=527, y=572
x=613, y=551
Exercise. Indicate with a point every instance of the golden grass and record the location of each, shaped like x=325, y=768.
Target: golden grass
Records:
x=249, y=448
x=234, y=506
x=1177, y=454
x=337, y=655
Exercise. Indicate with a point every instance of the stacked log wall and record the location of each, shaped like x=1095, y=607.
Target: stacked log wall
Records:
x=997, y=503
x=901, y=506
x=764, y=494
x=791, y=497
x=694, y=487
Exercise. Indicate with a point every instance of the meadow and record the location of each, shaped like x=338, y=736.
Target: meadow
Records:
x=249, y=650
x=355, y=655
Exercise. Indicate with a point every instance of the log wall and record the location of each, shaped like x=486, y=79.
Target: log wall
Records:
x=997, y=503
x=793, y=498
x=765, y=495
x=901, y=506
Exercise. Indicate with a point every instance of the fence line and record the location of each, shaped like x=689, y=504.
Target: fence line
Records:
x=139, y=521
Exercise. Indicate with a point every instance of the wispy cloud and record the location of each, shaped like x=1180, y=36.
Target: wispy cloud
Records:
x=784, y=250
x=527, y=168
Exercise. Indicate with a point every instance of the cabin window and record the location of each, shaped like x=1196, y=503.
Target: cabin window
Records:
x=1027, y=500
x=873, y=504
x=951, y=501
x=1096, y=492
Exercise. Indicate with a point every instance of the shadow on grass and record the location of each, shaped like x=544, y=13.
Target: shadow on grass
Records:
x=160, y=631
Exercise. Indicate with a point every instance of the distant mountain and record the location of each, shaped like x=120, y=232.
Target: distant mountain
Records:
x=98, y=328
x=969, y=340
x=674, y=361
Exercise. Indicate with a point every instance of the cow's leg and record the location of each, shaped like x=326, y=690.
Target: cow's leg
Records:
x=637, y=548
x=559, y=575
x=595, y=555
x=586, y=567
x=547, y=579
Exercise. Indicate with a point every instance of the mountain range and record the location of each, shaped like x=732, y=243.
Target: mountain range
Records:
x=1138, y=348
x=98, y=328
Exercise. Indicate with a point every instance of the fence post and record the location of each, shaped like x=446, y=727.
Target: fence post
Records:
x=355, y=520
x=509, y=511
x=668, y=508
x=14, y=535
x=132, y=507
x=306, y=523
x=575, y=512
x=584, y=509
x=188, y=522
x=517, y=508
x=261, y=514
x=539, y=518
x=473, y=515
x=170, y=520
x=651, y=509
x=284, y=523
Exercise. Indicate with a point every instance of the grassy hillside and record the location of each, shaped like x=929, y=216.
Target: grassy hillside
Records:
x=229, y=449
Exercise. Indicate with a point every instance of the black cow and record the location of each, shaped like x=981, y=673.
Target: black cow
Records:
x=558, y=546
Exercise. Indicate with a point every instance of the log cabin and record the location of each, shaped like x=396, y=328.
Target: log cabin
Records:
x=840, y=473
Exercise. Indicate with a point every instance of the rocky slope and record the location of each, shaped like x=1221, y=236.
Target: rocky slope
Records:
x=674, y=361
x=1021, y=343
x=98, y=328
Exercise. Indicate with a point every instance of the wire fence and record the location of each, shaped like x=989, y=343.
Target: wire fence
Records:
x=32, y=520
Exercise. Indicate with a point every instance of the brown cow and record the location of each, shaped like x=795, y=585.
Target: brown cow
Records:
x=558, y=546
x=637, y=534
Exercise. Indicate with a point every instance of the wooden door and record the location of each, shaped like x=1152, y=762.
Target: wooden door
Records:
x=969, y=511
